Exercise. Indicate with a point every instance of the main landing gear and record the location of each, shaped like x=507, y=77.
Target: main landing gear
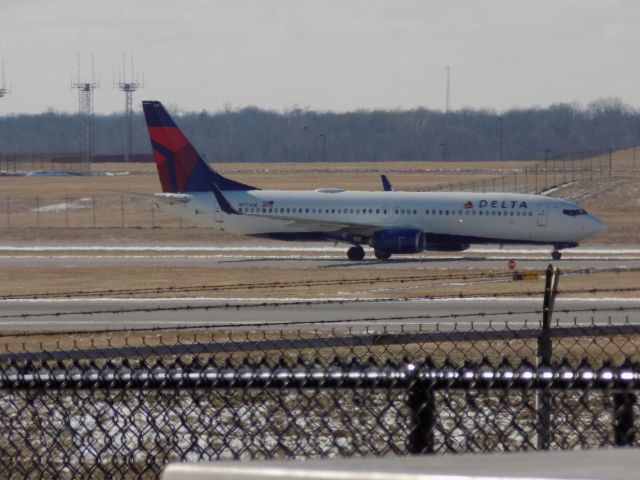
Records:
x=355, y=253
x=382, y=254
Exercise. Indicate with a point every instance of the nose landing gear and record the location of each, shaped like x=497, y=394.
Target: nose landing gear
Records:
x=556, y=255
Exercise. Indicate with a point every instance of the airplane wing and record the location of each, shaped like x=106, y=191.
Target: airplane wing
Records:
x=341, y=228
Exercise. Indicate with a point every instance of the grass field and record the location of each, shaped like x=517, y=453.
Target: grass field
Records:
x=98, y=207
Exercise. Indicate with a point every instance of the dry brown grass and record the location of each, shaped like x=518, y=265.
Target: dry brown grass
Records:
x=614, y=199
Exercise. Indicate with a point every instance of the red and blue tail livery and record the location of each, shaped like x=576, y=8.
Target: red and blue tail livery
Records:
x=180, y=167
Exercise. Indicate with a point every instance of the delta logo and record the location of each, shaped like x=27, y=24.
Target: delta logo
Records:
x=498, y=204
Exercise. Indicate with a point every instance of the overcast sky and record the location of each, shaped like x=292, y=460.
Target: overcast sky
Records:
x=335, y=55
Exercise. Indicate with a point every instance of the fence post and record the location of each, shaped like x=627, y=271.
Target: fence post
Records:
x=610, y=159
x=93, y=205
x=122, y=210
x=543, y=399
x=623, y=418
x=37, y=211
x=422, y=405
x=66, y=212
x=8, y=211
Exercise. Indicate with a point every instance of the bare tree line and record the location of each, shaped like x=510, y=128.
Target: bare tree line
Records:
x=296, y=135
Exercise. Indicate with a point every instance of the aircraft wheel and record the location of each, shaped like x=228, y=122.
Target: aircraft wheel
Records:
x=355, y=253
x=556, y=255
x=382, y=254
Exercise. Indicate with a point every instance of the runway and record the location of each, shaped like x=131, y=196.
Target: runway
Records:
x=271, y=255
x=377, y=316
x=333, y=309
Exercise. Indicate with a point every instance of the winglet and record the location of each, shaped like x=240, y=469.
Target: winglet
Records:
x=386, y=184
x=222, y=200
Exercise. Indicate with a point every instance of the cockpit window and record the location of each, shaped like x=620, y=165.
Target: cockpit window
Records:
x=574, y=212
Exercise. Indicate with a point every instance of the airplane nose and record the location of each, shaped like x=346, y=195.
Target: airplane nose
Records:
x=595, y=225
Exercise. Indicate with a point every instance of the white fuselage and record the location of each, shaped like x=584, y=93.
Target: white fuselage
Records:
x=480, y=217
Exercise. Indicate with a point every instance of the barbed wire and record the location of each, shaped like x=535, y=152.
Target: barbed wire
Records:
x=255, y=286
x=301, y=283
x=369, y=319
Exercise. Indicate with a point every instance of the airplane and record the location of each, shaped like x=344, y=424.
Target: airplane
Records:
x=391, y=222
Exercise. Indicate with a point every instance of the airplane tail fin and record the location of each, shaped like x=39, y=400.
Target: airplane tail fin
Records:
x=180, y=167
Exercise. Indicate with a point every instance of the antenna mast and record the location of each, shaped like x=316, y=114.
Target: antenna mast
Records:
x=447, y=101
x=85, y=103
x=128, y=86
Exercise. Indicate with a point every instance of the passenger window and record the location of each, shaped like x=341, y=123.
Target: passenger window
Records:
x=377, y=211
x=370, y=211
x=427, y=212
x=480, y=212
x=384, y=212
x=306, y=210
x=333, y=210
x=440, y=212
x=512, y=214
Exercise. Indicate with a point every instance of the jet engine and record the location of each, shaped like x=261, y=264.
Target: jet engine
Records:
x=398, y=240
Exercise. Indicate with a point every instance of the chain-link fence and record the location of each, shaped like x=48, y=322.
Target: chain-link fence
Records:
x=64, y=162
x=105, y=404
x=129, y=416
x=555, y=172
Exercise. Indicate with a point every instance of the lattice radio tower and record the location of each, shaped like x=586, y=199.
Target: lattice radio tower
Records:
x=85, y=101
x=4, y=90
x=128, y=86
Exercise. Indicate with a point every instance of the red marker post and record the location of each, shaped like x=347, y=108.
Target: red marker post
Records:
x=512, y=264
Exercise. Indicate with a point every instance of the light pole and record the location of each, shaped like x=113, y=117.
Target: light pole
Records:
x=501, y=136
x=307, y=150
x=546, y=162
x=324, y=146
x=443, y=151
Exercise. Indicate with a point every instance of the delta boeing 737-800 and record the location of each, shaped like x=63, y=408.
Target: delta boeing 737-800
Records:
x=391, y=222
